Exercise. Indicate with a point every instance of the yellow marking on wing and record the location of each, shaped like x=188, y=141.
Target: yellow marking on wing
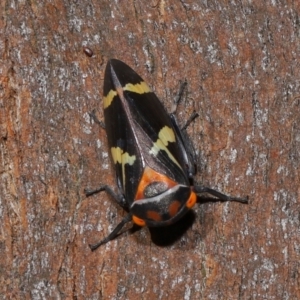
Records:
x=139, y=88
x=127, y=159
x=109, y=98
x=116, y=153
x=165, y=136
x=123, y=158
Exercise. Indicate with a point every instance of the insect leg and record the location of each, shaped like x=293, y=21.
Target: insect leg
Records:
x=113, y=234
x=179, y=96
x=192, y=117
x=175, y=105
x=118, y=197
x=95, y=119
x=223, y=197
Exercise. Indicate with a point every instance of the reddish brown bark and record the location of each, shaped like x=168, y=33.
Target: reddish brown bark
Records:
x=241, y=60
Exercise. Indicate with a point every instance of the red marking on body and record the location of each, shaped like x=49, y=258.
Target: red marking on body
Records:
x=153, y=215
x=174, y=207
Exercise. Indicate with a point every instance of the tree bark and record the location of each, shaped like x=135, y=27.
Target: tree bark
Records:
x=241, y=60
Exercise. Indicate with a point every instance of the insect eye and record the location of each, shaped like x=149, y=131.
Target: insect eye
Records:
x=138, y=221
x=192, y=200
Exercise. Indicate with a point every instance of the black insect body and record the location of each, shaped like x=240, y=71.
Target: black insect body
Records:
x=153, y=166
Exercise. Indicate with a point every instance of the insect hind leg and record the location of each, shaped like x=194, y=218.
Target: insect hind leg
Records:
x=93, y=116
x=183, y=140
x=179, y=96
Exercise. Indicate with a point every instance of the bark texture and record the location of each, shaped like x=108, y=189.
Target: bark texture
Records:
x=242, y=63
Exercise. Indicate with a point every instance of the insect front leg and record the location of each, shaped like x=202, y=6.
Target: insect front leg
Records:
x=121, y=201
x=113, y=234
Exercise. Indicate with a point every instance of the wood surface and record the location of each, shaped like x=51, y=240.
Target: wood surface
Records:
x=242, y=63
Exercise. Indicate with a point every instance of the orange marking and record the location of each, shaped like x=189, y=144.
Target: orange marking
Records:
x=138, y=221
x=173, y=208
x=192, y=200
x=151, y=214
x=148, y=177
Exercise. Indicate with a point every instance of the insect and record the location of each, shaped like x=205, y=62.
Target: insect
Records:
x=154, y=167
